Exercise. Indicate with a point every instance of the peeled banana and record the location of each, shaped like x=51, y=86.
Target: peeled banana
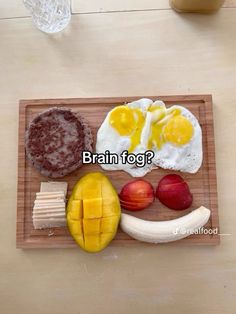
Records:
x=165, y=231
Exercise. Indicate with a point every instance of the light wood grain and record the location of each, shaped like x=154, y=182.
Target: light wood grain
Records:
x=230, y=4
x=16, y=8
x=99, y=55
x=12, y=9
x=202, y=185
x=80, y=6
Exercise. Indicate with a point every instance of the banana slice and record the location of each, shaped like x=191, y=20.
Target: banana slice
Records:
x=165, y=231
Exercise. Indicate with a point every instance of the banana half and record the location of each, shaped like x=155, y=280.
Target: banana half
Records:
x=165, y=231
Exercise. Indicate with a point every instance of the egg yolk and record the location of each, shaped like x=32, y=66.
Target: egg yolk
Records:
x=122, y=120
x=171, y=127
x=128, y=122
x=153, y=108
x=136, y=136
x=156, y=137
x=178, y=130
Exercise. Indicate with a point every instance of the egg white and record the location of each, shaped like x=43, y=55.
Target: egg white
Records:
x=185, y=158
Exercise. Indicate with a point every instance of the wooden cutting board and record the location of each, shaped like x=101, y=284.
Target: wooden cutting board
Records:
x=202, y=184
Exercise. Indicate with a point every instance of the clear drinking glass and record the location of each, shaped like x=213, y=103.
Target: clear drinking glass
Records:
x=50, y=16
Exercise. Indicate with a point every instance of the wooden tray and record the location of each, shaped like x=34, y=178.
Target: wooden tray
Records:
x=202, y=184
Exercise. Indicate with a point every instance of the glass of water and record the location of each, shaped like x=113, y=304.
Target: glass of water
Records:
x=50, y=16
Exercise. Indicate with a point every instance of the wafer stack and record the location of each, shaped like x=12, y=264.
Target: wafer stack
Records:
x=50, y=205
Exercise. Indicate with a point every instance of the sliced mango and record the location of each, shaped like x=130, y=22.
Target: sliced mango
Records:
x=79, y=239
x=76, y=228
x=91, y=226
x=92, y=243
x=104, y=239
x=93, y=212
x=108, y=224
x=76, y=210
x=92, y=208
x=110, y=207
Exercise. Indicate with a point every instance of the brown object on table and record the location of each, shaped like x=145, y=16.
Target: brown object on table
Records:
x=196, y=6
x=202, y=184
x=55, y=140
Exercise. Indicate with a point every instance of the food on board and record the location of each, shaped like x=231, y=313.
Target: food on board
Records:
x=49, y=206
x=93, y=212
x=173, y=134
x=55, y=140
x=165, y=231
x=173, y=192
x=137, y=195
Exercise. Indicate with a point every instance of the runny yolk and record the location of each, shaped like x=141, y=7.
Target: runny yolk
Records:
x=178, y=130
x=128, y=122
x=171, y=127
x=122, y=120
x=136, y=136
x=153, y=108
x=156, y=137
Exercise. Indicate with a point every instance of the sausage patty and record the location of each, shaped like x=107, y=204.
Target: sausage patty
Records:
x=55, y=140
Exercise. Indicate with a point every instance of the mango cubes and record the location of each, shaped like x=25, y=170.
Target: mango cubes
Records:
x=93, y=212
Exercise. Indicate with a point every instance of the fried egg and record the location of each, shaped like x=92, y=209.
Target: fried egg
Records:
x=173, y=134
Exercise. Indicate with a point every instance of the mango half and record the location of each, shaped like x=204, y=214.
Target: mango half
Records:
x=93, y=212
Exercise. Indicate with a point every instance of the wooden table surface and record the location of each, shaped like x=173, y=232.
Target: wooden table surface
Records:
x=119, y=48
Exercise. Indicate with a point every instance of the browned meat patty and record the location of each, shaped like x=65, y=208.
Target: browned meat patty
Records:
x=55, y=140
